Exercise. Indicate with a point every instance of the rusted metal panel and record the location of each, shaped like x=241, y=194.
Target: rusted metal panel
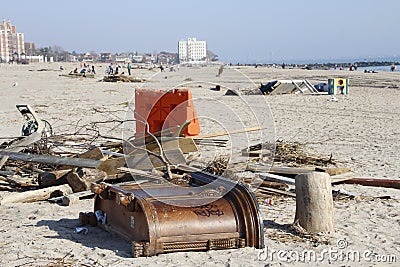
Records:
x=161, y=218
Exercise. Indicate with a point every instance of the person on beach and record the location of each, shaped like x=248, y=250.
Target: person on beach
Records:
x=129, y=68
x=93, y=71
x=393, y=67
x=110, y=69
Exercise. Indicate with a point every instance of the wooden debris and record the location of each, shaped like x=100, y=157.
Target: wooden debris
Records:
x=275, y=191
x=292, y=154
x=314, y=202
x=388, y=183
x=36, y=195
x=122, y=78
x=81, y=179
x=53, y=178
x=3, y=160
x=276, y=178
x=78, y=75
x=48, y=159
x=245, y=130
x=218, y=166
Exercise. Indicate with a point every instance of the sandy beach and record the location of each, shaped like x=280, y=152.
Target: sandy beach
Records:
x=360, y=130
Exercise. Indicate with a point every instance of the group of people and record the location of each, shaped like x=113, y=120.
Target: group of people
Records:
x=84, y=70
x=113, y=69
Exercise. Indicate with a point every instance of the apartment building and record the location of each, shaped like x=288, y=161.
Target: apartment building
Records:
x=11, y=43
x=192, y=50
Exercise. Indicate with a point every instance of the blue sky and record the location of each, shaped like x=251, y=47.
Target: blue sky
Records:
x=237, y=31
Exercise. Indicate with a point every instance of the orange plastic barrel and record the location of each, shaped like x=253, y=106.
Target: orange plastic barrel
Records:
x=165, y=111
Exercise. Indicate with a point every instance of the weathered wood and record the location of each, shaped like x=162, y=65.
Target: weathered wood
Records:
x=26, y=141
x=59, y=177
x=275, y=191
x=388, y=183
x=36, y=195
x=76, y=182
x=83, y=178
x=110, y=166
x=74, y=162
x=286, y=171
x=7, y=173
x=94, y=153
x=18, y=180
x=333, y=171
x=314, y=202
x=276, y=178
x=3, y=161
x=231, y=132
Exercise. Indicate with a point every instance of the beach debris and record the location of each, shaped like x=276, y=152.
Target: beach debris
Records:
x=78, y=75
x=287, y=87
x=210, y=213
x=82, y=230
x=123, y=78
x=293, y=154
x=36, y=195
x=232, y=92
x=314, y=208
x=387, y=183
x=218, y=166
x=15, y=84
x=268, y=201
x=333, y=99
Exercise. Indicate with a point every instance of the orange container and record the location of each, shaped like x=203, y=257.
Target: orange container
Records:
x=165, y=111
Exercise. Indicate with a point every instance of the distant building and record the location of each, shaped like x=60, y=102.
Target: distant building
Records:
x=192, y=50
x=123, y=58
x=105, y=57
x=88, y=57
x=30, y=48
x=11, y=42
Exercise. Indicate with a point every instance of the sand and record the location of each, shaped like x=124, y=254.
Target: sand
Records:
x=360, y=130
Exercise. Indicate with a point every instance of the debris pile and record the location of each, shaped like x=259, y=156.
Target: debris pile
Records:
x=122, y=78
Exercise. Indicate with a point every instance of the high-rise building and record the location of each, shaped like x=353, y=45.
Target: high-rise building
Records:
x=192, y=50
x=11, y=42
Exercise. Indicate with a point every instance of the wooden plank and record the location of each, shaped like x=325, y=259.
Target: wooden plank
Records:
x=333, y=171
x=54, y=160
x=231, y=132
x=276, y=191
x=287, y=171
x=18, y=180
x=276, y=178
x=3, y=161
x=187, y=145
x=387, y=183
x=7, y=173
x=23, y=143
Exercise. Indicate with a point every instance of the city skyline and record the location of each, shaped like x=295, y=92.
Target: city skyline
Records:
x=237, y=31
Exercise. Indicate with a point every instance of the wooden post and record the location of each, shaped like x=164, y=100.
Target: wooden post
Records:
x=314, y=202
